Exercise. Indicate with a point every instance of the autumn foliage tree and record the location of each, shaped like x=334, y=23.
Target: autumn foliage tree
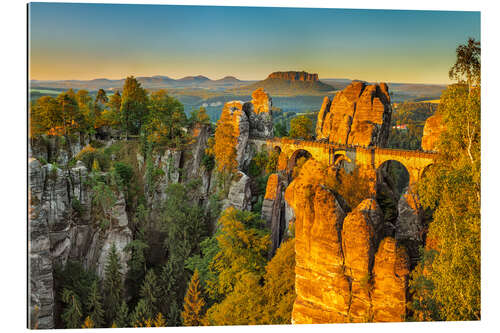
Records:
x=224, y=145
x=260, y=298
x=193, y=303
x=301, y=127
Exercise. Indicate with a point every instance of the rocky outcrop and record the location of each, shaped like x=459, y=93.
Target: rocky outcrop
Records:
x=234, y=123
x=294, y=76
x=41, y=281
x=325, y=108
x=241, y=121
x=61, y=229
x=359, y=241
x=240, y=194
x=410, y=224
x=260, y=115
x=342, y=273
x=390, y=276
x=358, y=115
x=433, y=128
x=274, y=210
x=322, y=288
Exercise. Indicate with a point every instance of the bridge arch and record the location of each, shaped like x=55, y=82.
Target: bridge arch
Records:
x=295, y=158
x=394, y=174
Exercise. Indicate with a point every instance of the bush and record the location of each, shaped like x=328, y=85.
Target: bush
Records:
x=77, y=206
x=124, y=173
x=208, y=162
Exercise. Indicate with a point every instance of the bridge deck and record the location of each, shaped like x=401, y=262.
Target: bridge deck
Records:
x=336, y=146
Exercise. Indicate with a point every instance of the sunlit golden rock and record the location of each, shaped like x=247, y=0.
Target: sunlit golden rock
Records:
x=358, y=245
x=261, y=101
x=390, y=276
x=335, y=253
x=322, y=288
x=272, y=185
x=358, y=115
x=432, y=130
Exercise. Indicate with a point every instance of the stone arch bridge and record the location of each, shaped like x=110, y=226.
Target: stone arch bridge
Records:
x=367, y=158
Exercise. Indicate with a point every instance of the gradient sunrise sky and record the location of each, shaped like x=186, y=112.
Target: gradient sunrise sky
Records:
x=88, y=41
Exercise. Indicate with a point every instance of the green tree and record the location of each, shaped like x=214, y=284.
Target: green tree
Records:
x=94, y=306
x=122, y=316
x=149, y=293
x=166, y=120
x=72, y=118
x=133, y=110
x=193, y=303
x=301, y=127
x=185, y=226
x=113, y=285
x=137, y=263
x=451, y=187
x=104, y=198
x=140, y=314
x=72, y=314
x=467, y=68
x=280, y=129
x=111, y=115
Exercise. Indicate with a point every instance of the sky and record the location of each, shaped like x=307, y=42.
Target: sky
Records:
x=88, y=41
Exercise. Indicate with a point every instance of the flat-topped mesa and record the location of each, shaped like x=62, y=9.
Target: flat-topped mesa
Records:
x=294, y=76
x=358, y=115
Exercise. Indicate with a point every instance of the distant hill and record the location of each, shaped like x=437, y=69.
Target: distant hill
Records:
x=228, y=79
x=289, y=83
x=148, y=82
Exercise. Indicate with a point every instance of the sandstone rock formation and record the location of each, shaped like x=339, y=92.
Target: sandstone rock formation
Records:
x=390, y=275
x=60, y=229
x=432, y=130
x=359, y=245
x=294, y=76
x=274, y=210
x=247, y=120
x=260, y=115
x=358, y=115
x=342, y=273
x=240, y=194
x=410, y=224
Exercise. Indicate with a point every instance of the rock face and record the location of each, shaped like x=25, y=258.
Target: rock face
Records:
x=432, y=130
x=359, y=245
x=342, y=273
x=294, y=76
x=240, y=194
x=260, y=115
x=41, y=281
x=233, y=116
x=274, y=210
x=410, y=224
x=358, y=115
x=247, y=120
x=60, y=229
x=390, y=275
